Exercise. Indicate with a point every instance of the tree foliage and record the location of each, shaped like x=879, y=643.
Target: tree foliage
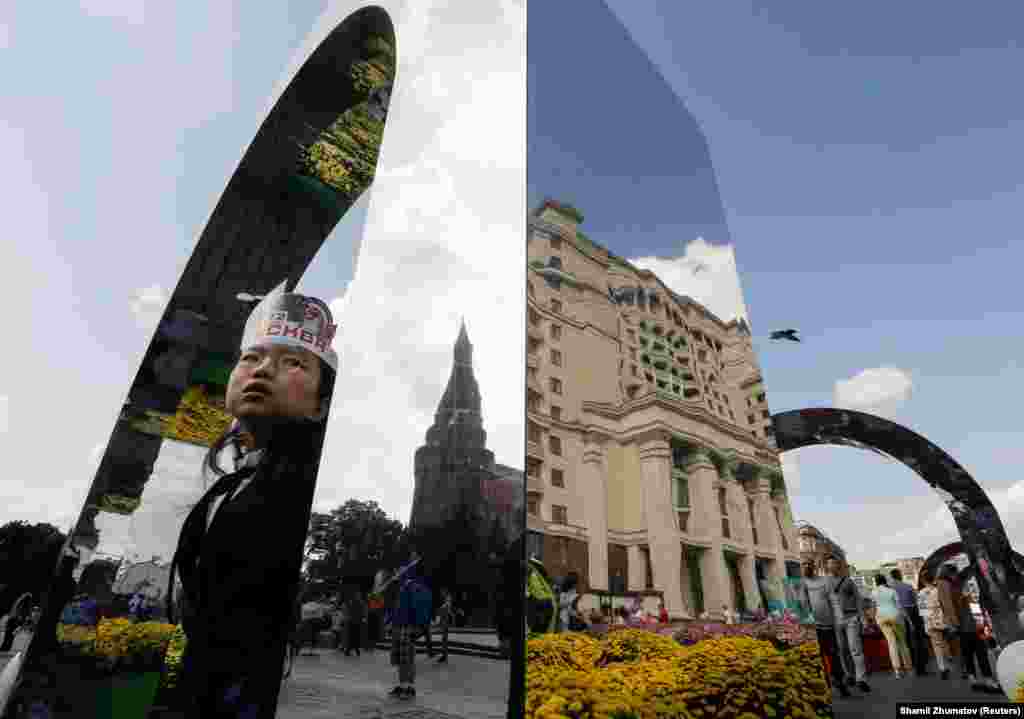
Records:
x=28, y=559
x=349, y=545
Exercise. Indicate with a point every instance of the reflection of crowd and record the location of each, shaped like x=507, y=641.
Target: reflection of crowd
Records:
x=553, y=606
x=938, y=619
x=955, y=632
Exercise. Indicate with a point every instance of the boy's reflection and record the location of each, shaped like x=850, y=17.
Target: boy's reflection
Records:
x=240, y=549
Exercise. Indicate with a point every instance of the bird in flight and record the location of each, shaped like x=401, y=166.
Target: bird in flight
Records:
x=785, y=335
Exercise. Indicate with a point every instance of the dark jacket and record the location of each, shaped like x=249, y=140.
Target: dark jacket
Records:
x=846, y=597
x=240, y=576
x=356, y=610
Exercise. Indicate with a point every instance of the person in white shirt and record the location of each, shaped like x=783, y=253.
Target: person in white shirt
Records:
x=890, y=619
x=568, y=600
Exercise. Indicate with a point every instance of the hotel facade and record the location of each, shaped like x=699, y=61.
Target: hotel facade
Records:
x=650, y=460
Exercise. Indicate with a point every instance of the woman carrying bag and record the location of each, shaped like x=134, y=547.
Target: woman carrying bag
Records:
x=940, y=619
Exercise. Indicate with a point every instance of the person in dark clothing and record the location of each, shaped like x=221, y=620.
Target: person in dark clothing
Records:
x=356, y=617
x=239, y=579
x=973, y=653
x=424, y=613
x=817, y=592
x=916, y=636
x=446, y=614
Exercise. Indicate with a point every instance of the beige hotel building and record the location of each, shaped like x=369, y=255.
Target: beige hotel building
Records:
x=650, y=462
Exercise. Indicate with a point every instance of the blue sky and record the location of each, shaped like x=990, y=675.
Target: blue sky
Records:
x=869, y=158
x=869, y=173
x=122, y=121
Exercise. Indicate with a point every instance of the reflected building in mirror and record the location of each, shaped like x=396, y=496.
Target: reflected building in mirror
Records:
x=467, y=509
x=648, y=467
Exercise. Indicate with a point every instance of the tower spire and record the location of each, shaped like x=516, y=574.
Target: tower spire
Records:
x=460, y=403
x=463, y=348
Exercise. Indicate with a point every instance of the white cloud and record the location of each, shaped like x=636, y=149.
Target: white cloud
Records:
x=148, y=306
x=95, y=455
x=706, y=273
x=880, y=390
x=791, y=472
x=442, y=241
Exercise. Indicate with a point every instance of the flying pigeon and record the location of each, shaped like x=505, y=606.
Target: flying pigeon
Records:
x=785, y=335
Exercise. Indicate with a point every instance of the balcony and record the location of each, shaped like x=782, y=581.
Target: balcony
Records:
x=535, y=449
x=534, y=332
x=533, y=384
x=632, y=381
x=533, y=360
x=534, y=485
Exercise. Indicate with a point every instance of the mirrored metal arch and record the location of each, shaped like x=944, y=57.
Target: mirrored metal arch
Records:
x=953, y=550
x=314, y=155
x=983, y=536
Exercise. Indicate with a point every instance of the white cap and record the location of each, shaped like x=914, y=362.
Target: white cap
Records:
x=293, y=320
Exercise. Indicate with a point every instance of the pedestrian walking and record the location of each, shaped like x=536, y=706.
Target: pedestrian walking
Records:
x=973, y=652
x=405, y=624
x=239, y=580
x=446, y=613
x=568, y=605
x=917, y=640
x=818, y=595
x=356, y=616
x=847, y=606
x=339, y=625
x=938, y=621
x=891, y=621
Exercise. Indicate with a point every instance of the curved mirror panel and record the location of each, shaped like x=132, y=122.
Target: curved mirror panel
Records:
x=854, y=159
x=312, y=498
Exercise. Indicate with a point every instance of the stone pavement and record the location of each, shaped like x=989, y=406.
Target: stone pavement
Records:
x=887, y=690
x=330, y=684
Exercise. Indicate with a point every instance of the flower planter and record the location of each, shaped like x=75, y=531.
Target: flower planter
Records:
x=126, y=696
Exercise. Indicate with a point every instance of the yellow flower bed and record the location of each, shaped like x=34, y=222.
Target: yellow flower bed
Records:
x=649, y=678
x=1019, y=694
x=563, y=651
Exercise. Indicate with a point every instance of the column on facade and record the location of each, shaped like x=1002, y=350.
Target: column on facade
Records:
x=662, y=535
x=636, y=578
x=748, y=573
x=787, y=517
x=767, y=529
x=771, y=540
x=736, y=498
x=701, y=478
x=714, y=573
x=594, y=492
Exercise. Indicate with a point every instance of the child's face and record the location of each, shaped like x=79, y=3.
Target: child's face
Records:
x=274, y=381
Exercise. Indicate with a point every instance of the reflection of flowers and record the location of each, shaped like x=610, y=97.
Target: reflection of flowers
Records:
x=120, y=644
